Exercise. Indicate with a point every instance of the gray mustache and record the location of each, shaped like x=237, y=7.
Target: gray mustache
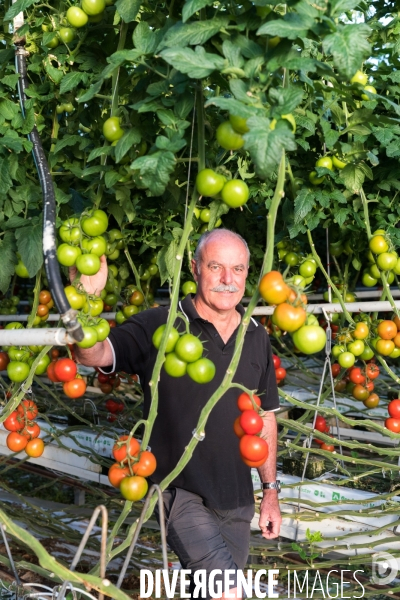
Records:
x=225, y=288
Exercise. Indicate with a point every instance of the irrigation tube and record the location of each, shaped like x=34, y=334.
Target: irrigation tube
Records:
x=68, y=315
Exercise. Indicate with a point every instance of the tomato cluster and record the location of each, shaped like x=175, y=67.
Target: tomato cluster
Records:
x=131, y=469
x=65, y=371
x=9, y=306
x=184, y=355
x=233, y=193
x=382, y=258
x=280, y=371
x=24, y=431
x=290, y=315
x=19, y=359
x=393, y=421
x=302, y=266
x=322, y=426
x=359, y=381
x=248, y=427
x=114, y=407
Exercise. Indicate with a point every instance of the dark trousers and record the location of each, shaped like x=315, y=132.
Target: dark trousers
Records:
x=205, y=538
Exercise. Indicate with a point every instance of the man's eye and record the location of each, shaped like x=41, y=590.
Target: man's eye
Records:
x=215, y=267
x=238, y=269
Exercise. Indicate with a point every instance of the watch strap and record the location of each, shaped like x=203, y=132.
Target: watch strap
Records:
x=272, y=485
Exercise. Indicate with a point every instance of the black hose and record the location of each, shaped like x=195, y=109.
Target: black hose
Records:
x=68, y=315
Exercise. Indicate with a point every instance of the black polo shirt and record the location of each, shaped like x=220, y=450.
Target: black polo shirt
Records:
x=215, y=471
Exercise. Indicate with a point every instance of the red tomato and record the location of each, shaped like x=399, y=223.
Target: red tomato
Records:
x=14, y=422
x=372, y=371
x=28, y=409
x=370, y=386
x=16, y=442
x=50, y=372
x=31, y=431
x=320, y=423
x=253, y=448
x=146, y=464
x=280, y=373
x=244, y=402
x=116, y=473
x=356, y=375
x=393, y=424
x=237, y=428
x=336, y=368
x=277, y=361
x=35, y=447
x=119, y=450
x=387, y=330
x=251, y=422
x=103, y=378
x=254, y=463
x=394, y=409
x=327, y=447
x=75, y=388
x=65, y=369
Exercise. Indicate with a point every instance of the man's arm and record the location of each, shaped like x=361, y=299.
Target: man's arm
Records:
x=270, y=515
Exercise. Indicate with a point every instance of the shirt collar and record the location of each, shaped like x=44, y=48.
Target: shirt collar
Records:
x=187, y=307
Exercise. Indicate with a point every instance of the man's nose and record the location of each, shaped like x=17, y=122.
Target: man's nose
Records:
x=227, y=276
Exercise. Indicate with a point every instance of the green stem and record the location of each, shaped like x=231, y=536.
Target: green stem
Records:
x=136, y=274
x=115, y=75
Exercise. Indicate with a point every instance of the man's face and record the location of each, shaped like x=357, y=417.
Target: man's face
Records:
x=223, y=263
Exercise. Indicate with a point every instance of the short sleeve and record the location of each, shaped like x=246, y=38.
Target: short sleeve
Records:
x=268, y=390
x=131, y=342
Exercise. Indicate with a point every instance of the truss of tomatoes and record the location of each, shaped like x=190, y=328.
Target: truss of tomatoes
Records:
x=280, y=372
x=393, y=421
x=359, y=382
x=290, y=315
x=65, y=371
x=248, y=426
x=322, y=426
x=129, y=473
x=24, y=431
x=184, y=355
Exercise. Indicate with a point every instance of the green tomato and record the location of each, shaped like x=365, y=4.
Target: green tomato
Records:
x=93, y=7
x=396, y=269
x=209, y=183
x=326, y=162
x=201, y=371
x=42, y=365
x=228, y=138
x=88, y=264
x=67, y=254
x=19, y=353
x=298, y=281
x=114, y=235
x=307, y=269
x=67, y=35
x=114, y=270
x=15, y=300
x=314, y=179
x=235, y=193
x=188, y=348
x=112, y=130
x=95, y=224
x=339, y=164
x=69, y=231
x=368, y=280
x=53, y=43
x=390, y=277
x=21, y=270
x=96, y=245
x=69, y=108
x=93, y=306
x=17, y=371
x=14, y=325
x=75, y=299
x=387, y=261
x=359, y=77
x=113, y=255
x=153, y=270
x=189, y=287
x=120, y=317
x=174, y=366
x=76, y=17
x=378, y=244
x=357, y=347
x=292, y=259
x=90, y=337
x=239, y=124
x=102, y=328
x=371, y=90
x=111, y=299
x=289, y=117
x=309, y=339
x=129, y=310
x=171, y=341
x=337, y=350
x=205, y=215
x=367, y=354
x=346, y=360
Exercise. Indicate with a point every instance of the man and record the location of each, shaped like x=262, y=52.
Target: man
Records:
x=211, y=503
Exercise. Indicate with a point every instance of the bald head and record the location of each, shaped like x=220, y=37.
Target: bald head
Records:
x=218, y=235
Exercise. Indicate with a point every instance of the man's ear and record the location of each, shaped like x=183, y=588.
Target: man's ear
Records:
x=194, y=270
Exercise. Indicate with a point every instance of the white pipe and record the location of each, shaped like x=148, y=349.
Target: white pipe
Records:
x=35, y=337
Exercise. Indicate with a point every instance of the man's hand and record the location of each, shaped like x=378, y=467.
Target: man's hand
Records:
x=270, y=515
x=93, y=284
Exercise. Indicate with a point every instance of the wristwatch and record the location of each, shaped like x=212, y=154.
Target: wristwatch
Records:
x=275, y=485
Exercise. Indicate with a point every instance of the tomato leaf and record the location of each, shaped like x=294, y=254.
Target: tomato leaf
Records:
x=330, y=135
x=8, y=109
x=341, y=215
x=5, y=177
x=349, y=47
x=198, y=63
x=193, y=6
x=265, y=145
x=29, y=242
x=71, y=80
x=20, y=5
x=192, y=33
x=145, y=39
x=285, y=99
x=155, y=170
x=166, y=260
x=128, y=9
x=96, y=152
x=303, y=204
x=217, y=209
x=233, y=106
x=340, y=6
x=69, y=140
x=129, y=139
x=353, y=177
x=291, y=26
x=12, y=141
x=8, y=259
